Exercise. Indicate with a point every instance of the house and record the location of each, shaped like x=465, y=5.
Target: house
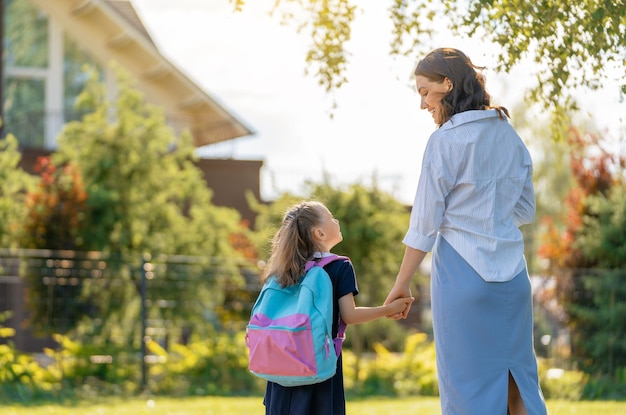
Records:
x=45, y=45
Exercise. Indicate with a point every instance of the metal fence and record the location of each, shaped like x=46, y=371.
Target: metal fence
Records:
x=127, y=300
x=121, y=300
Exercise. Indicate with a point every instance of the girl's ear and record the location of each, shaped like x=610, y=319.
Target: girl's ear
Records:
x=318, y=234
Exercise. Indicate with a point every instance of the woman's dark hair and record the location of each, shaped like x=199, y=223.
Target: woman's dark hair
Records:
x=468, y=85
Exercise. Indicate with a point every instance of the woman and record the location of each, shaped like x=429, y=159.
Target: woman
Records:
x=475, y=190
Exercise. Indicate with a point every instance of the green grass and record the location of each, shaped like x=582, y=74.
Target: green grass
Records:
x=254, y=405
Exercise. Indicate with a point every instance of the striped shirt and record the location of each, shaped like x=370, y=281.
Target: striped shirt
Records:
x=475, y=189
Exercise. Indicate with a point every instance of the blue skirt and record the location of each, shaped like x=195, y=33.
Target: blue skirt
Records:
x=483, y=331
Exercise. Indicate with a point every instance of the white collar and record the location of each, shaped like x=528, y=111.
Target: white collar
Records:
x=321, y=254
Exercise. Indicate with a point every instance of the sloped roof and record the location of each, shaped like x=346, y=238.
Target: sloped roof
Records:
x=111, y=30
x=127, y=11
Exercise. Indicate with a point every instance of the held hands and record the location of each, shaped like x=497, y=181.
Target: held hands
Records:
x=400, y=295
x=397, y=306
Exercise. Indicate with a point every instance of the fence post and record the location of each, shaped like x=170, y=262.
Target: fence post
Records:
x=146, y=272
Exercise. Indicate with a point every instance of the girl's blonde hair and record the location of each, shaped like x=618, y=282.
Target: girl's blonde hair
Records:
x=294, y=245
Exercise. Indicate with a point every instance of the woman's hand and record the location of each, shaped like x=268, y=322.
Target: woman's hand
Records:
x=398, y=305
x=402, y=287
x=400, y=292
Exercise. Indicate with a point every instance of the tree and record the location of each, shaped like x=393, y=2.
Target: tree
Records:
x=595, y=170
x=14, y=183
x=586, y=248
x=121, y=186
x=55, y=216
x=145, y=193
x=56, y=208
x=572, y=44
x=600, y=335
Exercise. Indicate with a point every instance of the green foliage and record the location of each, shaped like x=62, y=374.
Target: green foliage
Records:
x=561, y=384
x=215, y=365
x=601, y=239
x=588, y=254
x=145, y=193
x=14, y=183
x=606, y=387
x=599, y=341
x=121, y=186
x=571, y=44
x=56, y=208
x=89, y=369
x=412, y=372
x=597, y=316
x=22, y=378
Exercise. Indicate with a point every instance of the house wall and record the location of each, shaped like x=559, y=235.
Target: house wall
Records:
x=12, y=299
x=230, y=180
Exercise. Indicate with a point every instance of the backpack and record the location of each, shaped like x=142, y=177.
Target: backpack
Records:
x=289, y=335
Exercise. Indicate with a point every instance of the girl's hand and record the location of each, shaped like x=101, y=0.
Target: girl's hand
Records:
x=398, y=306
x=400, y=292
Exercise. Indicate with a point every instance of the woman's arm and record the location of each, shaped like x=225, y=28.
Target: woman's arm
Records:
x=402, y=288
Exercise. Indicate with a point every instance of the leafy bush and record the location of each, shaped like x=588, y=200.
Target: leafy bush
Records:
x=217, y=365
x=91, y=370
x=412, y=372
x=606, y=387
x=22, y=378
x=560, y=383
x=214, y=366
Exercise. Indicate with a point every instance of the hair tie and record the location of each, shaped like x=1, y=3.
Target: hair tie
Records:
x=294, y=219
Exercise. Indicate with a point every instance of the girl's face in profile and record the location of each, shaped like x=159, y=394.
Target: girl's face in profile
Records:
x=431, y=93
x=328, y=231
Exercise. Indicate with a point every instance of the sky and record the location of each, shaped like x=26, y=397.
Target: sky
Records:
x=255, y=67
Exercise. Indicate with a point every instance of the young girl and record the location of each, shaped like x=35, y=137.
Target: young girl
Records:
x=309, y=231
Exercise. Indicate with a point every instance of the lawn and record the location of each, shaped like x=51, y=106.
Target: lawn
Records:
x=254, y=405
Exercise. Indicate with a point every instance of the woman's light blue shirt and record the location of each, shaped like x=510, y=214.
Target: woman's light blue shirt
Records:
x=475, y=189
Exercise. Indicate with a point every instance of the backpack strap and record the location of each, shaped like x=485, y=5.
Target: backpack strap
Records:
x=323, y=261
x=341, y=326
x=341, y=336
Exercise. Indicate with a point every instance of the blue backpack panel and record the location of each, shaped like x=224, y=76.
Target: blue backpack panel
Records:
x=289, y=336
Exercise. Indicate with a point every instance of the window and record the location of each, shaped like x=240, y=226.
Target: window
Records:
x=33, y=110
x=26, y=35
x=25, y=59
x=75, y=77
x=24, y=110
